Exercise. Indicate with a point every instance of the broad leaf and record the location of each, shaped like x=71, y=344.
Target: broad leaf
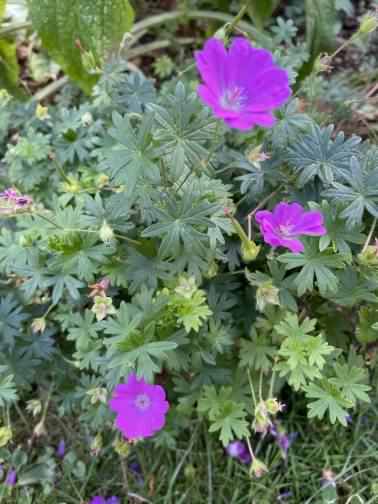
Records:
x=98, y=26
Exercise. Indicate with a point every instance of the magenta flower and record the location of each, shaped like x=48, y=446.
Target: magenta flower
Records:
x=141, y=408
x=287, y=222
x=242, y=85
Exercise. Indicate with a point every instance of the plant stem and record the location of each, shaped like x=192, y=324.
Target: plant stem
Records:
x=372, y=229
x=7, y=30
x=252, y=388
x=78, y=230
x=201, y=14
x=264, y=201
x=124, y=475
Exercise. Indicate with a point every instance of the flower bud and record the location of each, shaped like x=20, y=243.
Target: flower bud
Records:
x=273, y=406
x=102, y=180
x=369, y=23
x=103, y=306
x=87, y=119
x=221, y=34
x=42, y=112
x=262, y=421
x=5, y=436
x=40, y=429
x=212, y=271
x=258, y=468
x=267, y=294
x=122, y=447
x=249, y=250
x=96, y=445
x=369, y=257
x=38, y=325
x=106, y=233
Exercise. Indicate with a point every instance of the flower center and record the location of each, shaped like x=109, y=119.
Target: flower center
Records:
x=233, y=99
x=285, y=230
x=142, y=402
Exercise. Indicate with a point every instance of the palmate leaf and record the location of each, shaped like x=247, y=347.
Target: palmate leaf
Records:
x=129, y=153
x=303, y=355
x=257, y=353
x=99, y=25
x=8, y=392
x=183, y=129
x=131, y=345
x=315, y=266
x=358, y=193
x=318, y=155
x=338, y=233
x=290, y=124
x=182, y=225
x=12, y=317
x=354, y=289
x=225, y=414
x=350, y=380
x=327, y=398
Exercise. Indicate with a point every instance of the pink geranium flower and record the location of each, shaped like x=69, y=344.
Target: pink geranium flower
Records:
x=287, y=222
x=140, y=408
x=242, y=85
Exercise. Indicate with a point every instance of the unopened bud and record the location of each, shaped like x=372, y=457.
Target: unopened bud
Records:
x=87, y=119
x=273, y=406
x=42, y=112
x=267, y=294
x=40, y=429
x=369, y=23
x=258, y=468
x=106, y=233
x=249, y=250
x=38, y=325
x=102, y=180
x=221, y=34
x=96, y=445
x=122, y=447
x=5, y=436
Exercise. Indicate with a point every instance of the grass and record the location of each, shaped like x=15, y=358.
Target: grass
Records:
x=197, y=471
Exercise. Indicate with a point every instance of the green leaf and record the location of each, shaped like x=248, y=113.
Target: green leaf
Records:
x=303, y=354
x=225, y=414
x=328, y=398
x=260, y=11
x=131, y=155
x=357, y=193
x=348, y=379
x=367, y=326
x=99, y=25
x=257, y=353
x=316, y=266
x=321, y=30
x=8, y=392
x=9, y=68
x=319, y=154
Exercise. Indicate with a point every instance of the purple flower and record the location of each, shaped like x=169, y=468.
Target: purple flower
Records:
x=287, y=222
x=12, y=201
x=283, y=440
x=11, y=478
x=239, y=450
x=141, y=408
x=241, y=85
x=61, y=449
x=284, y=495
x=98, y=499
